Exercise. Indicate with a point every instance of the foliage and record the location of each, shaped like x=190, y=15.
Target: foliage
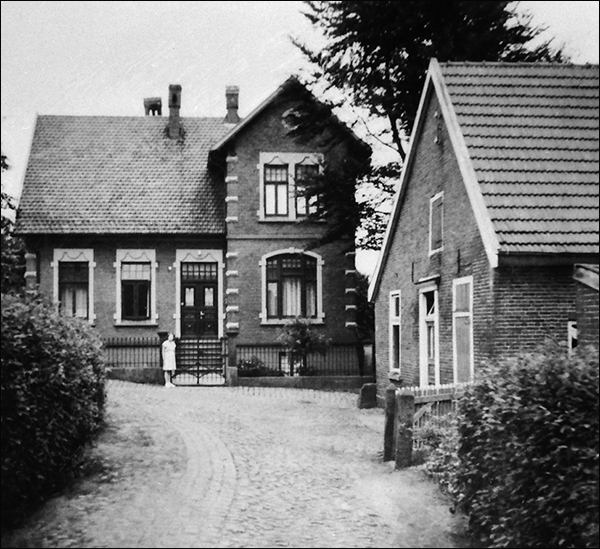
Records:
x=53, y=393
x=301, y=340
x=313, y=123
x=375, y=56
x=254, y=367
x=13, y=248
x=526, y=471
x=440, y=451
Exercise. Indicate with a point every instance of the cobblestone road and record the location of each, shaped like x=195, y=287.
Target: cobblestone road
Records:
x=243, y=467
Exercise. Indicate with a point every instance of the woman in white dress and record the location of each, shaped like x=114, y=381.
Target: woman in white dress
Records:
x=168, y=355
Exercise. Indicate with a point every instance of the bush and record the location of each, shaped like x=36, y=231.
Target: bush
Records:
x=437, y=451
x=53, y=392
x=527, y=470
x=254, y=367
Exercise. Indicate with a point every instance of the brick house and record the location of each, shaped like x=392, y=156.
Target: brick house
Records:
x=144, y=225
x=497, y=203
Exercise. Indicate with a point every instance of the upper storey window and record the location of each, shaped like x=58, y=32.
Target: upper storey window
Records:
x=283, y=181
x=276, y=189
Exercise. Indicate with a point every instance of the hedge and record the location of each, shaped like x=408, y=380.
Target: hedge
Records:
x=526, y=471
x=52, y=394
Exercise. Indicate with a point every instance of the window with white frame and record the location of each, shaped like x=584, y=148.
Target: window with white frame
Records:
x=73, y=288
x=284, y=178
x=436, y=223
x=135, y=291
x=395, y=331
x=429, y=337
x=74, y=282
x=305, y=174
x=292, y=286
x=276, y=189
x=462, y=323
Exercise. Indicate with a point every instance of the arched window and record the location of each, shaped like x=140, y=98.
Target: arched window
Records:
x=292, y=281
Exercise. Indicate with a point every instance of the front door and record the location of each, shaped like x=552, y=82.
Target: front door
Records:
x=199, y=294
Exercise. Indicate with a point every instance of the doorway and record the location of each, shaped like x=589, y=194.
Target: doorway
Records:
x=199, y=295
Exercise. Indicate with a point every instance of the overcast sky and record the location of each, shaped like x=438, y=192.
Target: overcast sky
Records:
x=104, y=58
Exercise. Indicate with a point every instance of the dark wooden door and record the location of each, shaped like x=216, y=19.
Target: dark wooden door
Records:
x=199, y=295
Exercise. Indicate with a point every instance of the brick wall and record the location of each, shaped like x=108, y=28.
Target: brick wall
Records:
x=105, y=249
x=514, y=308
x=435, y=170
x=532, y=304
x=250, y=238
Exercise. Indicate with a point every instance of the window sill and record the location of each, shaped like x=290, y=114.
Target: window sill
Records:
x=136, y=324
x=284, y=321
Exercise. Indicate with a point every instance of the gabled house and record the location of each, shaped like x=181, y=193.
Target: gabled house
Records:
x=497, y=204
x=149, y=224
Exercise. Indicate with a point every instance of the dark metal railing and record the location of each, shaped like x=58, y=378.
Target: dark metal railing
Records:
x=340, y=360
x=132, y=352
x=144, y=352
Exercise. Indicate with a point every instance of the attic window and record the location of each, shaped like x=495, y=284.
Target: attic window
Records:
x=436, y=223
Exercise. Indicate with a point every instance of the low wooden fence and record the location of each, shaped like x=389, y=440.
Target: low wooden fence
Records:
x=340, y=360
x=412, y=409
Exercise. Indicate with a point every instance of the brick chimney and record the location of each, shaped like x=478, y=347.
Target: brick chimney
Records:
x=232, y=96
x=174, y=106
x=153, y=105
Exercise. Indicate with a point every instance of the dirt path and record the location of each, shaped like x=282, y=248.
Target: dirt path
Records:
x=238, y=467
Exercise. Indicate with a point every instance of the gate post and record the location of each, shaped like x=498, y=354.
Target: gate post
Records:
x=388, y=429
x=405, y=411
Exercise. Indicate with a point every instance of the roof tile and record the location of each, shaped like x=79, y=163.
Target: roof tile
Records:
x=532, y=132
x=142, y=181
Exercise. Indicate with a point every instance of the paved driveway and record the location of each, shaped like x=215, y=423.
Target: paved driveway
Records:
x=243, y=467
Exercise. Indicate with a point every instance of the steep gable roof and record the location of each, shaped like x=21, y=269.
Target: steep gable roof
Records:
x=291, y=86
x=525, y=136
x=119, y=175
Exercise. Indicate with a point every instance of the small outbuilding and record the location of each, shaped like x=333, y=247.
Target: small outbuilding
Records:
x=496, y=209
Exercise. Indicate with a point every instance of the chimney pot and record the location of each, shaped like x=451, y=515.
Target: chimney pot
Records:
x=174, y=106
x=232, y=96
x=153, y=105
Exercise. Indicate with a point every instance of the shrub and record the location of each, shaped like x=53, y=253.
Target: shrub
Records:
x=527, y=472
x=52, y=384
x=301, y=340
x=439, y=452
x=254, y=367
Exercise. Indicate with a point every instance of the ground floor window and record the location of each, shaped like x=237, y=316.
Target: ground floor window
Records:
x=292, y=286
x=429, y=337
x=73, y=284
x=135, y=271
x=462, y=320
x=395, y=330
x=135, y=291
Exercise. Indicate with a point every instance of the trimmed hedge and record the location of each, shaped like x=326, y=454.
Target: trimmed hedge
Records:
x=527, y=458
x=52, y=394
